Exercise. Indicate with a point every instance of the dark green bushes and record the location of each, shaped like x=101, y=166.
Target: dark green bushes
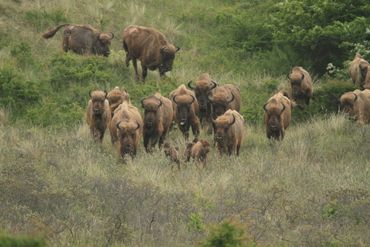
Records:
x=19, y=241
x=42, y=19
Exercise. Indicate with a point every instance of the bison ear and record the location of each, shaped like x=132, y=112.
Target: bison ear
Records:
x=264, y=107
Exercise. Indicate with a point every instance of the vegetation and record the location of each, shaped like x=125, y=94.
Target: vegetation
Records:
x=312, y=189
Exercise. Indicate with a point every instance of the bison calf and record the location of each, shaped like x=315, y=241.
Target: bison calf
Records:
x=278, y=113
x=83, y=39
x=98, y=114
x=358, y=69
x=116, y=97
x=172, y=153
x=301, y=86
x=198, y=151
x=228, y=132
x=356, y=105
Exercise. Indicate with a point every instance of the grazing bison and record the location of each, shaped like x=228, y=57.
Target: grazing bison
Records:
x=186, y=110
x=83, y=39
x=127, y=127
x=98, y=115
x=278, y=113
x=356, y=105
x=198, y=150
x=158, y=116
x=301, y=86
x=202, y=88
x=223, y=98
x=358, y=70
x=150, y=47
x=172, y=153
x=116, y=97
x=228, y=132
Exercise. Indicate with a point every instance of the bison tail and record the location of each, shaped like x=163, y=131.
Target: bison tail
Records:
x=52, y=32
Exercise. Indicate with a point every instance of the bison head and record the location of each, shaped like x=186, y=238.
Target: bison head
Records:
x=168, y=55
x=183, y=108
x=151, y=106
x=221, y=125
x=102, y=43
x=116, y=97
x=220, y=107
x=295, y=83
x=202, y=91
x=98, y=99
x=127, y=134
x=274, y=122
x=347, y=102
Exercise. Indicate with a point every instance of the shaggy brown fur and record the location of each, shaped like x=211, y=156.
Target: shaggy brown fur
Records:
x=224, y=98
x=278, y=114
x=202, y=88
x=116, y=97
x=301, y=86
x=358, y=70
x=367, y=79
x=356, y=105
x=172, y=153
x=127, y=127
x=150, y=47
x=98, y=115
x=229, y=132
x=186, y=110
x=158, y=115
x=199, y=151
x=83, y=39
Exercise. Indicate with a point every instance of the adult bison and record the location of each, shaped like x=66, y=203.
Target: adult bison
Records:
x=356, y=105
x=202, y=88
x=301, y=86
x=367, y=79
x=278, y=114
x=83, y=39
x=98, y=115
x=127, y=127
x=158, y=116
x=223, y=98
x=116, y=97
x=186, y=110
x=358, y=70
x=150, y=47
x=228, y=132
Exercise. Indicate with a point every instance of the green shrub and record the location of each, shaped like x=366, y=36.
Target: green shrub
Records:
x=42, y=19
x=20, y=241
x=22, y=53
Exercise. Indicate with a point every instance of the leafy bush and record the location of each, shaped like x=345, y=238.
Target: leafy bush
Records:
x=42, y=19
x=22, y=52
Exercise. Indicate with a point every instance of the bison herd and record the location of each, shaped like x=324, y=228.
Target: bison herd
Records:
x=203, y=104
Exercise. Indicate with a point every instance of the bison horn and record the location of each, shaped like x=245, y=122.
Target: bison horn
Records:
x=177, y=48
x=117, y=125
x=106, y=93
x=112, y=34
x=192, y=100
x=232, y=98
x=264, y=107
x=214, y=84
x=302, y=77
x=355, y=97
x=282, y=109
x=138, y=126
x=160, y=103
x=90, y=93
x=233, y=120
x=174, y=99
x=142, y=102
x=189, y=85
x=288, y=76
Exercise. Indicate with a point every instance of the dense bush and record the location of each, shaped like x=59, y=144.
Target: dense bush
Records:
x=42, y=19
x=19, y=241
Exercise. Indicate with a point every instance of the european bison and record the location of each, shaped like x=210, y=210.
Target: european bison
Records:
x=202, y=88
x=127, y=127
x=198, y=151
x=223, y=98
x=186, y=110
x=150, y=47
x=172, y=153
x=367, y=79
x=301, y=86
x=228, y=132
x=83, y=39
x=356, y=105
x=158, y=116
x=116, y=97
x=98, y=114
x=358, y=70
x=278, y=113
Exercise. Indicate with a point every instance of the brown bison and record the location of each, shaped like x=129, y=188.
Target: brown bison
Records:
x=358, y=70
x=98, y=115
x=116, y=97
x=228, y=132
x=186, y=110
x=356, y=105
x=202, y=88
x=172, y=153
x=301, y=86
x=278, y=114
x=367, y=79
x=198, y=151
x=83, y=39
x=127, y=127
x=223, y=98
x=158, y=116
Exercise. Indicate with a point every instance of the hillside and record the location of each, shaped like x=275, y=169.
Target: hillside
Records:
x=312, y=189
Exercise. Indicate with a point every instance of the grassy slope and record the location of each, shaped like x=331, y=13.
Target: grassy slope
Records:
x=57, y=183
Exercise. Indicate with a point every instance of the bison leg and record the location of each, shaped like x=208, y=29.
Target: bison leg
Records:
x=307, y=100
x=134, y=62
x=195, y=128
x=230, y=149
x=237, y=149
x=128, y=59
x=146, y=143
x=144, y=72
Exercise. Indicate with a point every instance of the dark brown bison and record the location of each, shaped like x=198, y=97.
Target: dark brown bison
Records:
x=358, y=70
x=356, y=105
x=186, y=110
x=301, y=86
x=116, y=97
x=127, y=127
x=229, y=132
x=83, y=39
x=150, y=47
x=278, y=114
x=202, y=88
x=198, y=151
x=98, y=115
x=223, y=98
x=172, y=153
x=158, y=116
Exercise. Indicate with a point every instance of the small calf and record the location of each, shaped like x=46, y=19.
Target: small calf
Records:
x=172, y=153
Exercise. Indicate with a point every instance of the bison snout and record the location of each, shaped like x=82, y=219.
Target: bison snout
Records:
x=149, y=124
x=97, y=111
